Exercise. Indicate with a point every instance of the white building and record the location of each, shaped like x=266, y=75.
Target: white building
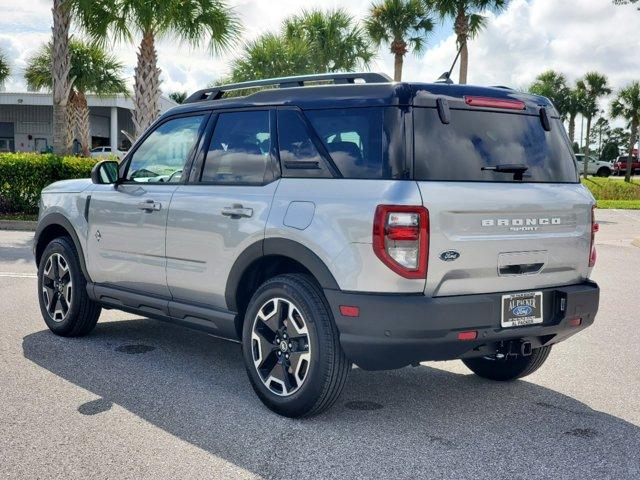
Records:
x=26, y=120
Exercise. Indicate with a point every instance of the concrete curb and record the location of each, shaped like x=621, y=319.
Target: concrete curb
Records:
x=22, y=225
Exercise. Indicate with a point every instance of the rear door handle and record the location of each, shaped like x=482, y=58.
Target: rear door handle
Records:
x=149, y=206
x=237, y=211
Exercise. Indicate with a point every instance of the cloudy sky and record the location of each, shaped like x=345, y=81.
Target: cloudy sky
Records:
x=573, y=36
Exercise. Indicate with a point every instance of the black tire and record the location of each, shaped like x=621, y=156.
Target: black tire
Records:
x=81, y=313
x=326, y=369
x=603, y=172
x=510, y=369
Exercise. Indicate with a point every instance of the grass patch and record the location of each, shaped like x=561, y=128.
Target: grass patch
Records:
x=18, y=216
x=621, y=204
x=608, y=189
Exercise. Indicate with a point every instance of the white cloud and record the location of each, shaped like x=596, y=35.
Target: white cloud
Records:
x=573, y=36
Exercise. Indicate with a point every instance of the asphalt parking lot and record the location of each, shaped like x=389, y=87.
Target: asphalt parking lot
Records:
x=141, y=398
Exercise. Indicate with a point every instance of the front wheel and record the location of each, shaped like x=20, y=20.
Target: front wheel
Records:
x=509, y=368
x=291, y=348
x=604, y=172
x=65, y=305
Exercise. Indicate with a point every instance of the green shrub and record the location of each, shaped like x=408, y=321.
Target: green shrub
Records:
x=24, y=175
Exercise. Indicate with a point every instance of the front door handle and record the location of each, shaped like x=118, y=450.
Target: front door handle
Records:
x=237, y=211
x=149, y=206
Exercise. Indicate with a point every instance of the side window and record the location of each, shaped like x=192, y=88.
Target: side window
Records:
x=164, y=153
x=298, y=154
x=354, y=138
x=239, y=151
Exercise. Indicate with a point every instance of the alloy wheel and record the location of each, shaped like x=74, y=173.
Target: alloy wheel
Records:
x=280, y=346
x=57, y=287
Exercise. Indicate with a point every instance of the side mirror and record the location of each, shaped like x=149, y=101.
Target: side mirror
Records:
x=105, y=172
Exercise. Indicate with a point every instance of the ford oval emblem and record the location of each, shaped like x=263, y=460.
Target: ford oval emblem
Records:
x=449, y=256
x=522, y=310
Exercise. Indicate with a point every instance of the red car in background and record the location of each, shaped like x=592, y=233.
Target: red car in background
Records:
x=620, y=165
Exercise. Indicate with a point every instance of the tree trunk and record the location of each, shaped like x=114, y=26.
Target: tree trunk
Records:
x=146, y=89
x=60, y=67
x=632, y=142
x=399, y=50
x=397, y=67
x=572, y=128
x=70, y=124
x=82, y=124
x=461, y=28
x=464, y=63
x=586, y=148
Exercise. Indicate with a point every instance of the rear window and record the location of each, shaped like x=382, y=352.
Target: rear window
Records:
x=475, y=139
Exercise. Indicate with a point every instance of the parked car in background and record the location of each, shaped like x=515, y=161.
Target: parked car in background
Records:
x=601, y=168
x=620, y=165
x=104, y=152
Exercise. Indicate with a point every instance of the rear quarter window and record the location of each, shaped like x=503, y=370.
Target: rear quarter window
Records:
x=475, y=139
x=362, y=142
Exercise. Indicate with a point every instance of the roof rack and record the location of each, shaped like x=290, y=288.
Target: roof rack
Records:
x=215, y=93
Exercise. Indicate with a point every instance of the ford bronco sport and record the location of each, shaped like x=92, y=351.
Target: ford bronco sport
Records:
x=334, y=220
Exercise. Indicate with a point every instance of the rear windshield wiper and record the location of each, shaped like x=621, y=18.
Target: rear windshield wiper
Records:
x=517, y=169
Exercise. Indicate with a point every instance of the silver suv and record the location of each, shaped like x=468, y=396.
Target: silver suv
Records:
x=335, y=220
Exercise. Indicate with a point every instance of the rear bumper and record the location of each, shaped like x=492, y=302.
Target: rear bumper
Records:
x=392, y=331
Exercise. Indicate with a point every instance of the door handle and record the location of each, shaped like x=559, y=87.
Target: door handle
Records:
x=237, y=211
x=149, y=206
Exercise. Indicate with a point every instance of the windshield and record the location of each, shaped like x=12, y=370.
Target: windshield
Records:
x=484, y=146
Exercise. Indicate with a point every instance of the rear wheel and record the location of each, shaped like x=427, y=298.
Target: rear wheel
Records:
x=291, y=347
x=510, y=368
x=64, y=302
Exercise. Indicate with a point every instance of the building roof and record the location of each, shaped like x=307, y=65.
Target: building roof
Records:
x=46, y=99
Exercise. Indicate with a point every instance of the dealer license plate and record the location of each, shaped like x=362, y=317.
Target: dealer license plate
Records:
x=520, y=309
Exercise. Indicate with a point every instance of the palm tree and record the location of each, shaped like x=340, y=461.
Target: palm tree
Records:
x=468, y=21
x=575, y=101
x=626, y=105
x=92, y=70
x=553, y=85
x=193, y=21
x=178, y=97
x=87, y=13
x=594, y=85
x=5, y=70
x=270, y=56
x=402, y=24
x=601, y=128
x=335, y=40
x=316, y=41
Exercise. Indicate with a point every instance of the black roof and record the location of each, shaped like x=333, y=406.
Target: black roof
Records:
x=349, y=94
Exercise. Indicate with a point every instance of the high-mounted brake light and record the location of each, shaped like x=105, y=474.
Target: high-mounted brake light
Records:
x=594, y=229
x=401, y=239
x=494, y=103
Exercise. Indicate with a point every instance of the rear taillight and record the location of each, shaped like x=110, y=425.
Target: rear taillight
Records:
x=594, y=228
x=401, y=239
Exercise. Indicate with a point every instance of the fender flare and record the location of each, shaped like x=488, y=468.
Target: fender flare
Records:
x=282, y=247
x=61, y=221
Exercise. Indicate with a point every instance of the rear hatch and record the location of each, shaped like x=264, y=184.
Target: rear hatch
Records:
x=506, y=210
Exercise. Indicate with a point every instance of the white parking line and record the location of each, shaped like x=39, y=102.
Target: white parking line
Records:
x=18, y=275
